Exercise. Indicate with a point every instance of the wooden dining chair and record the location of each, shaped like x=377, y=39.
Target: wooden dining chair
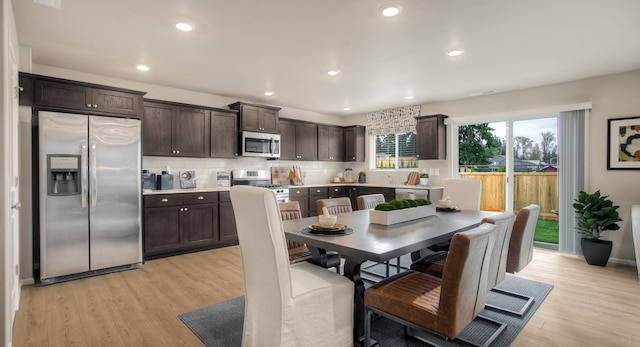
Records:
x=299, y=252
x=446, y=305
x=285, y=305
x=335, y=205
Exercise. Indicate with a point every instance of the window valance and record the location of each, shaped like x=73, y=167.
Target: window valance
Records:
x=393, y=121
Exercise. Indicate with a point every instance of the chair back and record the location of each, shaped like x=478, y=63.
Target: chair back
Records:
x=335, y=205
x=521, y=243
x=369, y=201
x=465, y=193
x=498, y=262
x=464, y=279
x=290, y=210
x=267, y=278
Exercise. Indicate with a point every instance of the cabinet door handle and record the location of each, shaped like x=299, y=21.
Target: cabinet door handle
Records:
x=94, y=106
x=177, y=152
x=186, y=209
x=89, y=105
x=317, y=190
x=201, y=197
x=164, y=200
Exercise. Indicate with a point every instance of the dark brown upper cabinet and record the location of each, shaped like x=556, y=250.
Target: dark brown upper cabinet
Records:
x=224, y=134
x=330, y=143
x=254, y=117
x=175, y=130
x=354, y=138
x=298, y=140
x=59, y=94
x=431, y=137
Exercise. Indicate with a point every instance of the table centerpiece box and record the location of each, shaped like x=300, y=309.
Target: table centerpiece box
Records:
x=403, y=215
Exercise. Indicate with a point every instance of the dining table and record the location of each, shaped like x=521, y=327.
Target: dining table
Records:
x=364, y=241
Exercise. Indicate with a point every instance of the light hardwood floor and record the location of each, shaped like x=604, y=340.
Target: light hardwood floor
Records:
x=589, y=306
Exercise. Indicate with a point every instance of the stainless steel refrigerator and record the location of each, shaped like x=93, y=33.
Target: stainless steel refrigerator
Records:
x=89, y=195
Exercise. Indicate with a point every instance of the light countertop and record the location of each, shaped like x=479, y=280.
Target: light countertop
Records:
x=224, y=189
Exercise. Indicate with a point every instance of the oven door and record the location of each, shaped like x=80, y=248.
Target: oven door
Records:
x=260, y=145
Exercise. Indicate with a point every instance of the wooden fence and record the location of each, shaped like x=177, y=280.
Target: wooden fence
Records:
x=540, y=188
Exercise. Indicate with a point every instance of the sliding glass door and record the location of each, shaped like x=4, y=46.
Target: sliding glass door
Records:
x=525, y=174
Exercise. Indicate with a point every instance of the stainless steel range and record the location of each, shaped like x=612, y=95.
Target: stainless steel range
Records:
x=259, y=178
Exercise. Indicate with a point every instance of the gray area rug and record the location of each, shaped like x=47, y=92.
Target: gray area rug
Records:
x=221, y=324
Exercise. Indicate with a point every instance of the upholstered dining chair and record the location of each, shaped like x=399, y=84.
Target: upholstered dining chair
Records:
x=299, y=252
x=434, y=264
x=465, y=193
x=285, y=305
x=335, y=205
x=504, y=222
x=444, y=306
x=521, y=243
x=520, y=253
x=369, y=201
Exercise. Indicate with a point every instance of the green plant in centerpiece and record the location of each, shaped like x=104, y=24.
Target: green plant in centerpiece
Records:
x=362, y=173
x=595, y=214
x=399, y=204
x=424, y=175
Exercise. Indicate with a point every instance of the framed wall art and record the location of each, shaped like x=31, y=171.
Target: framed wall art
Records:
x=623, y=141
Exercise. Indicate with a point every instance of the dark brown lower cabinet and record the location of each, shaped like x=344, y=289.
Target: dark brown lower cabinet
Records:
x=162, y=230
x=179, y=223
x=228, y=230
x=200, y=225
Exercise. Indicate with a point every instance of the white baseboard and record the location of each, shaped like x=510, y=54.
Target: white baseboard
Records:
x=27, y=281
x=623, y=261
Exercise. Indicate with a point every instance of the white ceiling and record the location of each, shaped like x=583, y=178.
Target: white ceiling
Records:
x=240, y=48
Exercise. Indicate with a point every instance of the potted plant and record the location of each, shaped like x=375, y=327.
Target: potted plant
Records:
x=595, y=213
x=424, y=179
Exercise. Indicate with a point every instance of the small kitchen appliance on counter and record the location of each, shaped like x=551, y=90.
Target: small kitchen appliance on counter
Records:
x=259, y=178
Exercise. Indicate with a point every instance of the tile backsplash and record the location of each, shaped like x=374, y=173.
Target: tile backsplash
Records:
x=316, y=172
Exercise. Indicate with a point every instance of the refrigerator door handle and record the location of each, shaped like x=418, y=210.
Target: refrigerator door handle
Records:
x=92, y=176
x=83, y=174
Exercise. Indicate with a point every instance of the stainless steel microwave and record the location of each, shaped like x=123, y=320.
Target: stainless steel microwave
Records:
x=260, y=144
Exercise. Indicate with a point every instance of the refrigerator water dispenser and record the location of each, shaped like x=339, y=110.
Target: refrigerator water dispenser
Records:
x=63, y=174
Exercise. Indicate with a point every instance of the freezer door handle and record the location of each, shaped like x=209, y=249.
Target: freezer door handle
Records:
x=92, y=176
x=83, y=174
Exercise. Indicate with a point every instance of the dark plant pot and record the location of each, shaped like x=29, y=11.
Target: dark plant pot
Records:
x=362, y=179
x=596, y=252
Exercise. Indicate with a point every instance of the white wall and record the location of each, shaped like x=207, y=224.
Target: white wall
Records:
x=613, y=96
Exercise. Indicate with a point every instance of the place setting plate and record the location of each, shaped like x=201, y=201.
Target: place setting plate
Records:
x=318, y=229
x=447, y=208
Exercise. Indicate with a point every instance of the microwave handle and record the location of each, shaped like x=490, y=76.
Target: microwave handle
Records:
x=271, y=146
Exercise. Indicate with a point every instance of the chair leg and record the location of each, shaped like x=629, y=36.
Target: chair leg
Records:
x=367, y=326
x=519, y=313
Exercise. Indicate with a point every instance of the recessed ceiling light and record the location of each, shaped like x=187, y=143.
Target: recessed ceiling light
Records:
x=347, y=108
x=333, y=72
x=409, y=97
x=142, y=67
x=390, y=10
x=182, y=26
x=268, y=93
x=455, y=52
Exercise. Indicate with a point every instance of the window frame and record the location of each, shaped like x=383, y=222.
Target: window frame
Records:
x=373, y=156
